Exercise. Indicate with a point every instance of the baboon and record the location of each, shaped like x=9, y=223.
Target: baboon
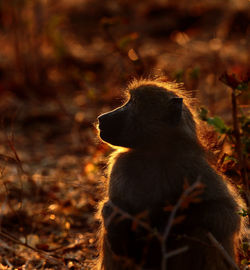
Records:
x=159, y=152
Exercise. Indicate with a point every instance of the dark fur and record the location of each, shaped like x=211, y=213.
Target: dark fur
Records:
x=162, y=151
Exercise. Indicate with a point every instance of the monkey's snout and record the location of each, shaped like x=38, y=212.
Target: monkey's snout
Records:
x=101, y=120
x=105, y=121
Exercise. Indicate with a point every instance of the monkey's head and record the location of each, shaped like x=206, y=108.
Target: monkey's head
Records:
x=152, y=115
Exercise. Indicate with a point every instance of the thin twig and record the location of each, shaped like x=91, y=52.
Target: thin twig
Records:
x=196, y=240
x=222, y=251
x=40, y=252
x=238, y=146
x=6, y=246
x=176, y=252
x=236, y=126
x=161, y=238
x=133, y=218
x=10, y=142
x=8, y=263
x=171, y=220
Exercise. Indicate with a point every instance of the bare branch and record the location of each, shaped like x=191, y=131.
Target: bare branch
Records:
x=176, y=252
x=184, y=195
x=137, y=220
x=238, y=144
x=41, y=252
x=222, y=251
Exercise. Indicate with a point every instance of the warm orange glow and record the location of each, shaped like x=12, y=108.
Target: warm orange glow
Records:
x=64, y=63
x=215, y=44
x=67, y=225
x=79, y=117
x=132, y=55
x=53, y=207
x=180, y=37
x=89, y=167
x=53, y=217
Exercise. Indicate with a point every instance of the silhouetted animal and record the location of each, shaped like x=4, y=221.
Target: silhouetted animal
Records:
x=160, y=155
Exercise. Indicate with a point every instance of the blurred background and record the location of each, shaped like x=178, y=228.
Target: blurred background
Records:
x=62, y=63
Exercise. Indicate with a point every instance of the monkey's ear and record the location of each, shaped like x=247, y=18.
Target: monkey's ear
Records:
x=174, y=110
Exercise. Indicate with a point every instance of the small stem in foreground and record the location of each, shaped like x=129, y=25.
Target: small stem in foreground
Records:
x=189, y=190
x=238, y=145
x=222, y=251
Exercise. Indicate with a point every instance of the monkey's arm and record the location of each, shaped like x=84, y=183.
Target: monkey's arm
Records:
x=217, y=210
x=118, y=228
x=124, y=239
x=221, y=219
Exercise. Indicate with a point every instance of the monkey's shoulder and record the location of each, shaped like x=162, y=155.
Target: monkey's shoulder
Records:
x=136, y=179
x=138, y=167
x=149, y=173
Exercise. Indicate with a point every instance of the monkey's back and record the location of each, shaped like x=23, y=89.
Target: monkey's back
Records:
x=140, y=182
